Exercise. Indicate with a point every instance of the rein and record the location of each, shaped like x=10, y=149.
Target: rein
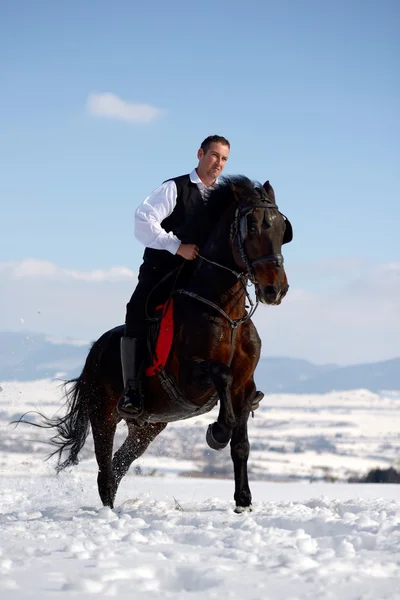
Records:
x=234, y=323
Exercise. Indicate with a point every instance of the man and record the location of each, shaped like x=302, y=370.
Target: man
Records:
x=169, y=223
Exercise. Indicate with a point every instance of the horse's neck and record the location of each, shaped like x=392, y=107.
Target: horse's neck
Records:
x=219, y=287
x=215, y=283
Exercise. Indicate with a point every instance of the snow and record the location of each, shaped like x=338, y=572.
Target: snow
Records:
x=177, y=537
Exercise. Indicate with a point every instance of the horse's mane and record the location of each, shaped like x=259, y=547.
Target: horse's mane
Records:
x=231, y=192
x=235, y=188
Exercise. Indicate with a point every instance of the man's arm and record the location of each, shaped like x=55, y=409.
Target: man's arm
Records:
x=149, y=216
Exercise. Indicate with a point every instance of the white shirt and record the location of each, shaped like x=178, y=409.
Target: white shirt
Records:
x=157, y=207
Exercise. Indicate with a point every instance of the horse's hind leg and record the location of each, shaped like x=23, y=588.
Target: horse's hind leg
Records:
x=135, y=444
x=103, y=430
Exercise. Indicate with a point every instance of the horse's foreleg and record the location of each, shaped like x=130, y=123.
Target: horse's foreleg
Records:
x=135, y=444
x=240, y=449
x=103, y=429
x=202, y=375
x=219, y=433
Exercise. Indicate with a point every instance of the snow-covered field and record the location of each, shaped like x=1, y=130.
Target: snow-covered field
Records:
x=174, y=536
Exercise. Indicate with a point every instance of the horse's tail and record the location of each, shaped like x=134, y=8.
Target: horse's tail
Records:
x=73, y=428
x=80, y=394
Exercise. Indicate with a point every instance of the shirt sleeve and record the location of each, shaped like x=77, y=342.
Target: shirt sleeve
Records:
x=150, y=214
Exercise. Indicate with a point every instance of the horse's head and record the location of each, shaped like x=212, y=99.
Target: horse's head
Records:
x=258, y=232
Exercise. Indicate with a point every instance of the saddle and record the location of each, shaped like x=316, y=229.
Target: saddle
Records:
x=159, y=343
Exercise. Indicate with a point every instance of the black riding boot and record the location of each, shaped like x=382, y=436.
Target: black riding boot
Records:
x=131, y=401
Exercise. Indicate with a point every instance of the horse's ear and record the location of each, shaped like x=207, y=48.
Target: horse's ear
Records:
x=270, y=191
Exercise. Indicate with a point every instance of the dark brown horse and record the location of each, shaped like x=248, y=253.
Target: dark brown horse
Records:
x=214, y=353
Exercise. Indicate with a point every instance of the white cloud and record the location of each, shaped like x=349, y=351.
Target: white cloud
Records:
x=33, y=268
x=332, y=266
x=110, y=105
x=41, y=269
x=62, y=341
x=112, y=274
x=42, y=297
x=354, y=319
x=349, y=322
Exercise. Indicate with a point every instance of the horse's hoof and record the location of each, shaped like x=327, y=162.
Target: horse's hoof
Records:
x=241, y=509
x=256, y=402
x=212, y=442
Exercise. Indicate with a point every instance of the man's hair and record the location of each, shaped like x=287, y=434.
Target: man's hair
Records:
x=213, y=139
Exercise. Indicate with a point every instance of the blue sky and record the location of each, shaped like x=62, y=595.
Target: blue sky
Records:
x=307, y=93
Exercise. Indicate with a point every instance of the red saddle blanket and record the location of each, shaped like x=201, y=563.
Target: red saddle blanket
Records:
x=164, y=338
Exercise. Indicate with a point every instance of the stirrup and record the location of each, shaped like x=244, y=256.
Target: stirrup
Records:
x=130, y=403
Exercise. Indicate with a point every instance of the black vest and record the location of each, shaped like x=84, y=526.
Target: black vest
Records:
x=188, y=221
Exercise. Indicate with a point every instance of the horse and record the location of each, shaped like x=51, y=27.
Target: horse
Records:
x=214, y=351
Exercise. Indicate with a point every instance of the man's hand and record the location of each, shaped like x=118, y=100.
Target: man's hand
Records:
x=188, y=251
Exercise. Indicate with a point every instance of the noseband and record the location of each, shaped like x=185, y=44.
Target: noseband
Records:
x=239, y=231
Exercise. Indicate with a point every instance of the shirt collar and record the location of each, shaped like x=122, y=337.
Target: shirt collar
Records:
x=194, y=178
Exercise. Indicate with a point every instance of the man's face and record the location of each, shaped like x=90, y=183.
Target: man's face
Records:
x=212, y=162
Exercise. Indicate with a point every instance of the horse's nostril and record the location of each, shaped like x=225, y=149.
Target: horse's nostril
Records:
x=269, y=290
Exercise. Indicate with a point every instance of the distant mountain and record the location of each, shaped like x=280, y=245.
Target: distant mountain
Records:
x=278, y=374
x=292, y=376
x=25, y=357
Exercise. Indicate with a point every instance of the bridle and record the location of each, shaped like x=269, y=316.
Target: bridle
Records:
x=239, y=232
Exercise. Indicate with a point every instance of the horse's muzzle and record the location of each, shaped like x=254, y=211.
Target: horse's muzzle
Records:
x=272, y=294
